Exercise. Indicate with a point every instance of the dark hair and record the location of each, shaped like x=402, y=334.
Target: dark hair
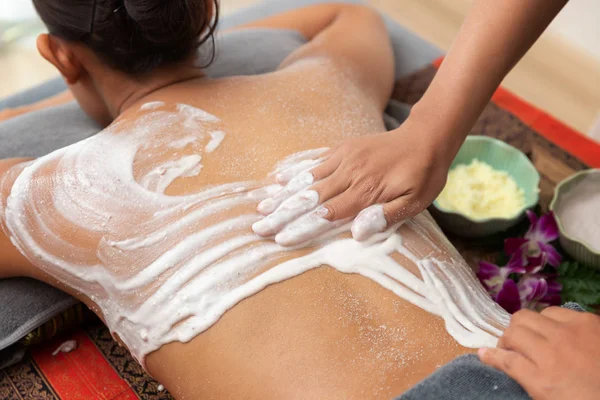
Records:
x=134, y=36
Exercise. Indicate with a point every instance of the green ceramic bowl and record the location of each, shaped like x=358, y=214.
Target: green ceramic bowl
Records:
x=501, y=157
x=570, y=188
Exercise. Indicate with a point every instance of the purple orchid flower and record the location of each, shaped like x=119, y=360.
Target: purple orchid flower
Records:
x=552, y=296
x=494, y=277
x=508, y=297
x=538, y=292
x=528, y=256
x=531, y=289
x=534, y=249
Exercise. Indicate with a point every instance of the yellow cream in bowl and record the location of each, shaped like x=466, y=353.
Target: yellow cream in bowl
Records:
x=478, y=191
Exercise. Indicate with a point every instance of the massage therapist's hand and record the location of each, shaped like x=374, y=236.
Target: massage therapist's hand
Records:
x=553, y=355
x=400, y=172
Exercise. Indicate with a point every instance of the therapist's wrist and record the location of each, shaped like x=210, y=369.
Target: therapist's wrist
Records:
x=438, y=133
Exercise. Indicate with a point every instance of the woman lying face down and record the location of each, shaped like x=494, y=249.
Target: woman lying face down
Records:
x=150, y=221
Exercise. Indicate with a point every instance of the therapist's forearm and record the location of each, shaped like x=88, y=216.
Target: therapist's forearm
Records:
x=493, y=38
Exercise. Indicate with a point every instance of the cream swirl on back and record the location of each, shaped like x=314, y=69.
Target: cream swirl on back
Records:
x=165, y=268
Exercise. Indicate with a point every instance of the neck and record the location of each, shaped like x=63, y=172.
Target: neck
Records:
x=121, y=91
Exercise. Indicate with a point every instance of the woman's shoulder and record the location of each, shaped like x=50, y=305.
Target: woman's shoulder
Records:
x=12, y=263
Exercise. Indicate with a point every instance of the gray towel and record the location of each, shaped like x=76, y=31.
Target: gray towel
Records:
x=466, y=378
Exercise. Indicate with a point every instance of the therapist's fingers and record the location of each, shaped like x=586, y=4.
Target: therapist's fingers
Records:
x=369, y=222
x=315, y=159
x=295, y=185
x=512, y=364
x=292, y=208
x=306, y=228
x=330, y=187
x=327, y=167
x=559, y=314
x=350, y=202
x=285, y=176
x=402, y=208
x=523, y=340
x=535, y=321
x=378, y=218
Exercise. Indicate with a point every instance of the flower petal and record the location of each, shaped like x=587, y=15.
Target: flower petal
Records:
x=550, y=300
x=508, y=297
x=532, y=288
x=552, y=297
x=487, y=270
x=517, y=263
x=552, y=255
x=512, y=245
x=536, y=264
x=532, y=217
x=532, y=222
x=490, y=276
x=547, y=224
x=553, y=287
x=545, y=230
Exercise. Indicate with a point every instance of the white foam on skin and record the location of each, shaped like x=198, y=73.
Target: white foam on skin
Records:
x=299, y=182
x=152, y=105
x=297, y=164
x=183, y=143
x=166, y=268
x=196, y=114
x=289, y=210
x=369, y=222
x=161, y=177
x=216, y=138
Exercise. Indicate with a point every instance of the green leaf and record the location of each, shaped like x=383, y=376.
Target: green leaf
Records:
x=581, y=284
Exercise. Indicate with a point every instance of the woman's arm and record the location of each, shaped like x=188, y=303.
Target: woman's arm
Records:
x=62, y=98
x=352, y=36
x=12, y=263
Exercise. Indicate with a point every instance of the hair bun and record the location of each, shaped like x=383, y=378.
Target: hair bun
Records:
x=168, y=22
x=134, y=36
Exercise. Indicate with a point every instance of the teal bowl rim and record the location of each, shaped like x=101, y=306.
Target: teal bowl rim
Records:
x=528, y=162
x=557, y=189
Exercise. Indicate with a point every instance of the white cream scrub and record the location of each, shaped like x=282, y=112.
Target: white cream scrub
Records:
x=165, y=268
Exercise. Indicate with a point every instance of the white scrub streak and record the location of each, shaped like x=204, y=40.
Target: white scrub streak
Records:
x=371, y=220
x=216, y=138
x=196, y=114
x=152, y=105
x=182, y=143
x=161, y=177
x=166, y=268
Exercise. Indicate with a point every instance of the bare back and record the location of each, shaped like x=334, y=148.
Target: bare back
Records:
x=320, y=334
x=323, y=334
